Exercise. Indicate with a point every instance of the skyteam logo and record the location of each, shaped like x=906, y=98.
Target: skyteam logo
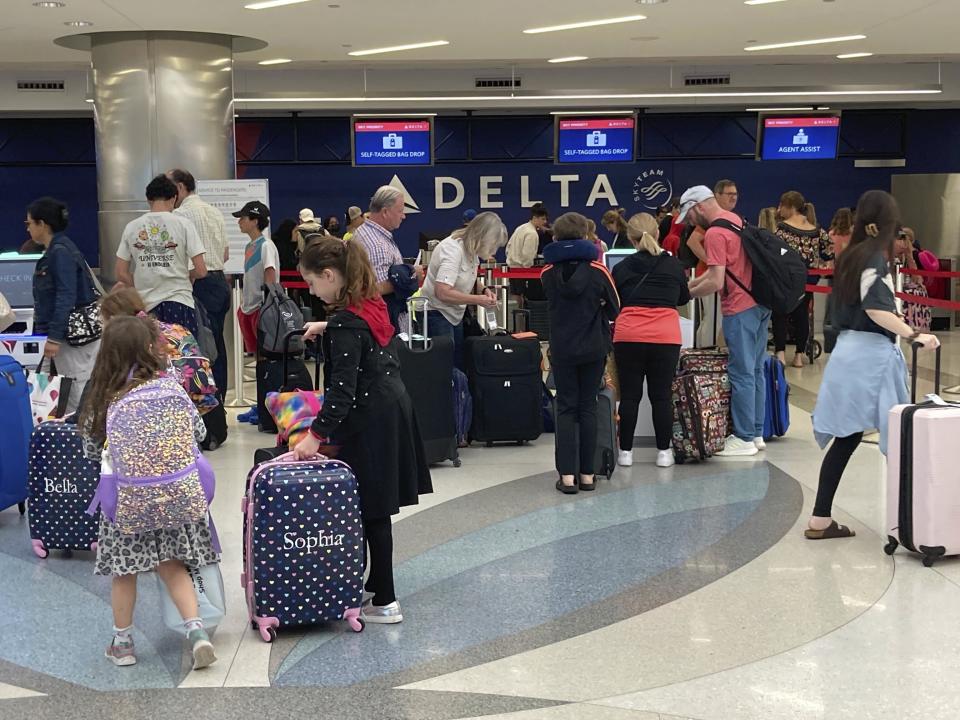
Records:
x=652, y=189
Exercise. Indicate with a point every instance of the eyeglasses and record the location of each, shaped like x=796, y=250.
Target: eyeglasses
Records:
x=731, y=194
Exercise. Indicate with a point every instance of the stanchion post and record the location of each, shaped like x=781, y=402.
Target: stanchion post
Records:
x=239, y=398
x=897, y=300
x=503, y=293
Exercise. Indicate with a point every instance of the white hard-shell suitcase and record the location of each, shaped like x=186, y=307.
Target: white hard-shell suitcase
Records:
x=923, y=485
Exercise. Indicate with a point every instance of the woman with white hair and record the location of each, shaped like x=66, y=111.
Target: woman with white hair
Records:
x=451, y=282
x=647, y=340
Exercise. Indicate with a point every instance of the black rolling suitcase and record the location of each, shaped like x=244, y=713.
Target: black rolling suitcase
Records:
x=298, y=380
x=426, y=367
x=507, y=388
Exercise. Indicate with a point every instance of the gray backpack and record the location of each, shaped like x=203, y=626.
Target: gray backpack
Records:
x=279, y=316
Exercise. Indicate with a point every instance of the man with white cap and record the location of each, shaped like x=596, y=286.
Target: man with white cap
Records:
x=744, y=322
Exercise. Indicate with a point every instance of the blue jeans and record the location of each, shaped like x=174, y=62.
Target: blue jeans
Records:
x=438, y=325
x=746, y=334
x=213, y=293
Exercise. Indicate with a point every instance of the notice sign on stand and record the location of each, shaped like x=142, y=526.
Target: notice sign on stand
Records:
x=228, y=196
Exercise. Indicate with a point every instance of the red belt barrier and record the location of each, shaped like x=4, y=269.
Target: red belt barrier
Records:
x=819, y=289
x=823, y=272
x=517, y=273
x=291, y=280
x=930, y=273
x=930, y=302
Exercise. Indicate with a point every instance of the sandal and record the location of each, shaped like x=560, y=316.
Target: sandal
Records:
x=834, y=531
x=587, y=487
x=566, y=489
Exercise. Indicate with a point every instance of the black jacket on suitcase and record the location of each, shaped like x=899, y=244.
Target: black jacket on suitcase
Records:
x=506, y=386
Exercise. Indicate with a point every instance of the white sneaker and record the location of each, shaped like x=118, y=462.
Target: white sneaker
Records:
x=665, y=458
x=625, y=458
x=759, y=442
x=735, y=447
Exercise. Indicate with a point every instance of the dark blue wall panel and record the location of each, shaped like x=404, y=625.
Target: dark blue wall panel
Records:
x=307, y=163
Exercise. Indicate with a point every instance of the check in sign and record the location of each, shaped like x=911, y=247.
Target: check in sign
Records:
x=392, y=143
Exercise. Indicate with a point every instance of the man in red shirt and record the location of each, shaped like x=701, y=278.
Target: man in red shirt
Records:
x=744, y=322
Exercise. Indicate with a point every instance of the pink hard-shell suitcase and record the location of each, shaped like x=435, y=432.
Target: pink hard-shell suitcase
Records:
x=923, y=485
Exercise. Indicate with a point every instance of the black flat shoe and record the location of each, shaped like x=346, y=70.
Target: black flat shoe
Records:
x=587, y=487
x=566, y=489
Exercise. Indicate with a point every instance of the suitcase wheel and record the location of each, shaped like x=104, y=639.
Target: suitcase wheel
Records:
x=929, y=560
x=268, y=634
x=357, y=624
x=891, y=547
x=93, y=546
x=39, y=550
x=457, y=462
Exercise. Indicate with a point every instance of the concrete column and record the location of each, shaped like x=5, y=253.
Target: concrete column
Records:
x=161, y=100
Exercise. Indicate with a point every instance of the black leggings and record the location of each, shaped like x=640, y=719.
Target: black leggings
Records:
x=658, y=364
x=378, y=534
x=799, y=317
x=834, y=463
x=577, y=389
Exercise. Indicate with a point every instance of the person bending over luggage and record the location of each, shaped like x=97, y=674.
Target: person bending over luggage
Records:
x=142, y=530
x=865, y=375
x=583, y=302
x=646, y=340
x=366, y=409
x=451, y=281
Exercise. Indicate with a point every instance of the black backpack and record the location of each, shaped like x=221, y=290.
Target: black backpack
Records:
x=779, y=272
x=684, y=254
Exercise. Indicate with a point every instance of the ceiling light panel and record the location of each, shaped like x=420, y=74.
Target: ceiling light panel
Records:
x=399, y=48
x=804, y=43
x=761, y=2
x=572, y=58
x=585, y=24
x=851, y=56
x=50, y=4
x=275, y=61
x=267, y=4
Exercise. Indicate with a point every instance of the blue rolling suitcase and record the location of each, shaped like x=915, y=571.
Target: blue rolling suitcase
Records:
x=62, y=485
x=303, y=545
x=776, y=417
x=15, y=433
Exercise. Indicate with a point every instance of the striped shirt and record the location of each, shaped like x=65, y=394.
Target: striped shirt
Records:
x=382, y=250
x=210, y=226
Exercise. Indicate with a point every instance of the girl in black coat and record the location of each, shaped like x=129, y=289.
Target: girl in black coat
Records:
x=366, y=409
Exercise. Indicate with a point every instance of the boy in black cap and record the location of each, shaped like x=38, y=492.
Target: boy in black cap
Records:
x=261, y=264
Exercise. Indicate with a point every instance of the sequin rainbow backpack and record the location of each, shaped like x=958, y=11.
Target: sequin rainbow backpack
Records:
x=153, y=476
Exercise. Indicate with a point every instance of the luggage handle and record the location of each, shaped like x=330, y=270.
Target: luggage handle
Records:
x=286, y=353
x=424, y=304
x=525, y=314
x=289, y=457
x=913, y=374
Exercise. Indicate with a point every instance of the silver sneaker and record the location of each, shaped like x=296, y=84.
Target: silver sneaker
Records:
x=381, y=614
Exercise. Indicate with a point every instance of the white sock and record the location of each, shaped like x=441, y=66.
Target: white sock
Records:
x=122, y=634
x=191, y=624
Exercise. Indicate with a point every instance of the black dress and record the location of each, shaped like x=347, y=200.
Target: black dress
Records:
x=366, y=410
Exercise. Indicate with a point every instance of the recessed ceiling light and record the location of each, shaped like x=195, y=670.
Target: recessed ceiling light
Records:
x=398, y=48
x=50, y=4
x=272, y=4
x=586, y=24
x=761, y=2
x=275, y=61
x=802, y=43
x=780, y=109
x=88, y=100
x=572, y=58
x=78, y=23
x=591, y=112
x=851, y=56
x=651, y=2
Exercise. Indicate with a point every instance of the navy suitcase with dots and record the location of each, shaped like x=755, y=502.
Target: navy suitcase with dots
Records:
x=62, y=483
x=302, y=545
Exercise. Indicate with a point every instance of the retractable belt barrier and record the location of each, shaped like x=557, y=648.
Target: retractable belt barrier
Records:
x=913, y=299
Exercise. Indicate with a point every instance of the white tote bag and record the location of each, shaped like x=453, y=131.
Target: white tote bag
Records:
x=49, y=393
x=211, y=604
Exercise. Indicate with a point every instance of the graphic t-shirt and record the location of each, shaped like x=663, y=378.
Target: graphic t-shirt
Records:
x=876, y=293
x=724, y=247
x=159, y=247
x=259, y=255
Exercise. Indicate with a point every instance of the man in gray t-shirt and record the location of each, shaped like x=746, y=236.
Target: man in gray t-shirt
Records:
x=160, y=254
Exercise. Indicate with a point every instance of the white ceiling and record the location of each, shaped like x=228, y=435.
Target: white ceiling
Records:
x=489, y=31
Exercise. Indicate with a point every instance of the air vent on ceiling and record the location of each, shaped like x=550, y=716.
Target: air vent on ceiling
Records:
x=497, y=82
x=43, y=86
x=700, y=80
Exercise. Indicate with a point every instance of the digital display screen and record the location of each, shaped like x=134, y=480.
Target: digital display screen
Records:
x=392, y=142
x=800, y=138
x=612, y=258
x=583, y=140
x=16, y=279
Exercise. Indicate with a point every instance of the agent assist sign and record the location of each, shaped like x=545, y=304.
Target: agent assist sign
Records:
x=812, y=138
x=392, y=143
x=595, y=140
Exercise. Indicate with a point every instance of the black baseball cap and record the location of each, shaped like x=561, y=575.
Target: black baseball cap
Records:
x=253, y=209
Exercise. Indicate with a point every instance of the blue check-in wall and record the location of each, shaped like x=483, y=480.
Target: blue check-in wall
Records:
x=493, y=160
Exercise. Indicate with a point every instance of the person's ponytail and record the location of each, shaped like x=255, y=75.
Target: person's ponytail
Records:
x=348, y=259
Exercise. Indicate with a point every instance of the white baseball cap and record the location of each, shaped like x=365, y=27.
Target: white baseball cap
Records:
x=693, y=196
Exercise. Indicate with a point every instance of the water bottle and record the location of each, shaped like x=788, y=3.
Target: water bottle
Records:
x=491, y=318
